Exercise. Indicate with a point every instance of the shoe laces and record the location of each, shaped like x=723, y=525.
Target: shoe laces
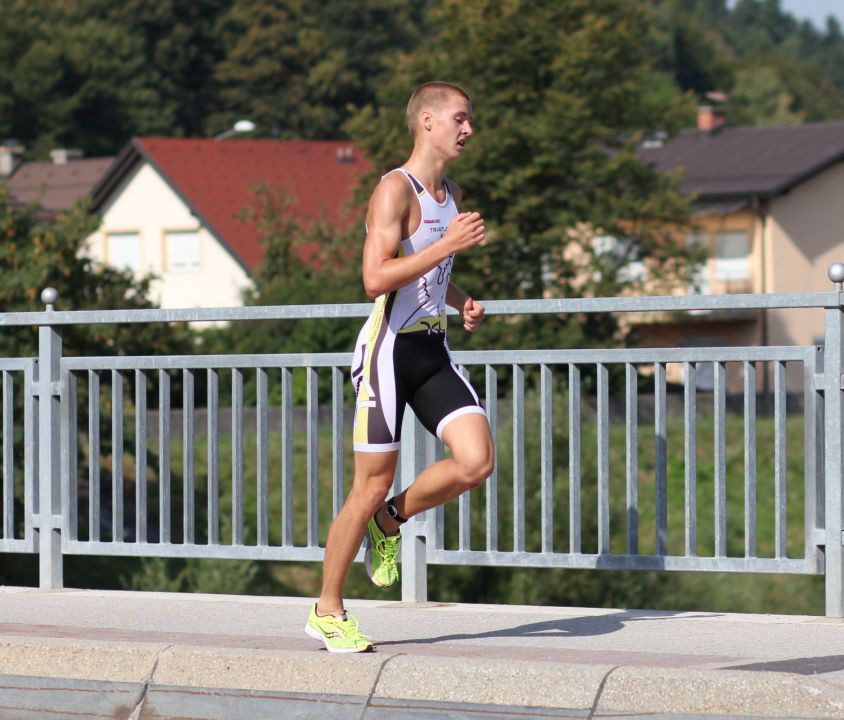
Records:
x=349, y=627
x=388, y=548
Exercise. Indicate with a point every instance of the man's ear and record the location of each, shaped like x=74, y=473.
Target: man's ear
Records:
x=426, y=119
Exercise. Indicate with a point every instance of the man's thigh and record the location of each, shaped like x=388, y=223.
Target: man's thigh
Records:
x=444, y=398
x=468, y=436
x=374, y=471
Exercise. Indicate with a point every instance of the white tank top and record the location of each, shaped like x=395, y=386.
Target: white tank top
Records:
x=420, y=305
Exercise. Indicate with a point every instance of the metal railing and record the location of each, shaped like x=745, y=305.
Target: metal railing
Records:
x=582, y=477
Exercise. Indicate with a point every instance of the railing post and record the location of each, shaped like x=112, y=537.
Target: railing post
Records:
x=834, y=452
x=47, y=388
x=414, y=572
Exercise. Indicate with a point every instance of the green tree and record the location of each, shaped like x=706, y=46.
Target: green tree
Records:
x=179, y=48
x=559, y=110
x=760, y=98
x=266, y=49
x=240, y=577
x=688, y=45
x=298, y=69
x=92, y=73
x=38, y=252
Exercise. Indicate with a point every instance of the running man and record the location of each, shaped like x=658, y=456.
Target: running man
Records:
x=414, y=230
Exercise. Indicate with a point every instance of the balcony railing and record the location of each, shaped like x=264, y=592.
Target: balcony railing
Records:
x=108, y=456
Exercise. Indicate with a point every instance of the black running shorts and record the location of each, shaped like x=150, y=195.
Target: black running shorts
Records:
x=411, y=368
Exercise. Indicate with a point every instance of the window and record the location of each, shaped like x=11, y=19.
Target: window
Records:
x=732, y=261
x=124, y=251
x=182, y=250
x=624, y=255
x=698, y=245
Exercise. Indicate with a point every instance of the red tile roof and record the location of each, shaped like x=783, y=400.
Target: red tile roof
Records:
x=216, y=179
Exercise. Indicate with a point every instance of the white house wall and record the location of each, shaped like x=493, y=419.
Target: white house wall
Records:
x=144, y=203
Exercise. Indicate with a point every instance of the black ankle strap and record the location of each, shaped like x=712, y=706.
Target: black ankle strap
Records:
x=393, y=513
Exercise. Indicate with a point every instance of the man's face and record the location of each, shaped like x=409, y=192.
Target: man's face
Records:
x=451, y=125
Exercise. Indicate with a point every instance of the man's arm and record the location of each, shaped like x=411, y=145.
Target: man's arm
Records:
x=388, y=209
x=470, y=309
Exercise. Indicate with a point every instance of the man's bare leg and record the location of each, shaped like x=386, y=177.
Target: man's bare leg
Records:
x=471, y=462
x=373, y=480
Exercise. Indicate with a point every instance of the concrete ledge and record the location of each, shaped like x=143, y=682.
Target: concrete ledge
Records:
x=402, y=677
x=581, y=660
x=719, y=692
x=284, y=671
x=490, y=682
x=78, y=660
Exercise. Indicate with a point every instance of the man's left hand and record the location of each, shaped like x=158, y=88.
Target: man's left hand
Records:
x=472, y=314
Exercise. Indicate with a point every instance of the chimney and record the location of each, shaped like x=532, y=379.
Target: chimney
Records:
x=10, y=157
x=713, y=116
x=62, y=156
x=710, y=118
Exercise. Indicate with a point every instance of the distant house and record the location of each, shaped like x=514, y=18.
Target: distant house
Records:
x=173, y=207
x=769, y=214
x=56, y=185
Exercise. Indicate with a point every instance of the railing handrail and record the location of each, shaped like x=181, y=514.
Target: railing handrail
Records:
x=631, y=304
x=737, y=353
x=51, y=443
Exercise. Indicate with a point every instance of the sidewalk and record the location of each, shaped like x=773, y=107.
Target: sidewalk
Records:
x=486, y=661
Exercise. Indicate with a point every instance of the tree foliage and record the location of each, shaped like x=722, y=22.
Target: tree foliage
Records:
x=93, y=73
x=775, y=69
x=558, y=117
x=298, y=69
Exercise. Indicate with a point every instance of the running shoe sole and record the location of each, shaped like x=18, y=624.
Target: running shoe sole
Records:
x=319, y=636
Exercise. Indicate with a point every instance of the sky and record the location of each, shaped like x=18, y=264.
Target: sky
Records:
x=815, y=11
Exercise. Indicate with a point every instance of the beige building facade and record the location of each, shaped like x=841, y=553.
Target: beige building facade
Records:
x=769, y=218
x=148, y=229
x=805, y=235
x=787, y=245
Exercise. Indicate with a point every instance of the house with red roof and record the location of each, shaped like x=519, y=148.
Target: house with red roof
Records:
x=174, y=207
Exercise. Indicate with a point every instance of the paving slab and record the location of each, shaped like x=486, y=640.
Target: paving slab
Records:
x=431, y=658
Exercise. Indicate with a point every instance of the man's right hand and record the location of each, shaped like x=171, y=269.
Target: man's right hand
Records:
x=465, y=231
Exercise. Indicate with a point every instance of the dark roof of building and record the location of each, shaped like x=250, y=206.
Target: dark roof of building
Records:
x=56, y=187
x=743, y=162
x=217, y=181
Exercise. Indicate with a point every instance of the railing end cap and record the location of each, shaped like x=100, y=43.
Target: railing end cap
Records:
x=836, y=272
x=49, y=296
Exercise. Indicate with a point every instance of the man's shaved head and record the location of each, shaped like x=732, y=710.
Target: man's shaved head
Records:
x=430, y=96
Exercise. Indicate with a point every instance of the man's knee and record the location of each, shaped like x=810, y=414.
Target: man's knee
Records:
x=475, y=466
x=369, y=496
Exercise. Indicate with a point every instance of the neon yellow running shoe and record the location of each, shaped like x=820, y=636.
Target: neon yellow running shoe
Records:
x=338, y=634
x=380, y=555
